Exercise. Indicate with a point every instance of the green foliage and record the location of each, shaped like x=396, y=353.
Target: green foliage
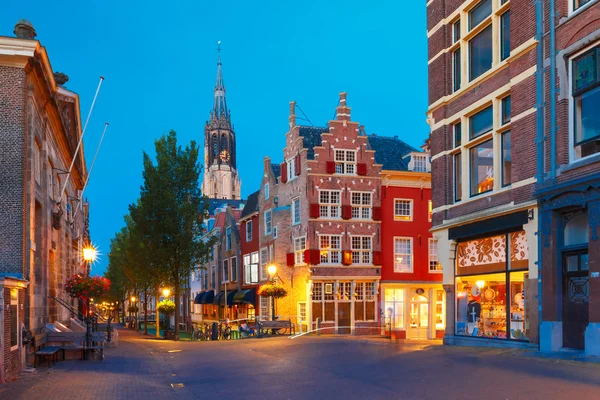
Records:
x=272, y=290
x=166, y=307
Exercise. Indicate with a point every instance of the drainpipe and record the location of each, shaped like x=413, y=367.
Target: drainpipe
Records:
x=539, y=13
x=552, y=55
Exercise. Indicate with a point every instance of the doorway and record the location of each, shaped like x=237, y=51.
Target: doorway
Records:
x=575, y=298
x=419, y=317
x=344, y=318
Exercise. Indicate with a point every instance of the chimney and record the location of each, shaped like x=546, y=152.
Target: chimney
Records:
x=267, y=163
x=24, y=30
x=60, y=78
x=342, y=112
x=292, y=117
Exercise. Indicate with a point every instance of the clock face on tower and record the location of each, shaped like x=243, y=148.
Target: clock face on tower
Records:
x=224, y=155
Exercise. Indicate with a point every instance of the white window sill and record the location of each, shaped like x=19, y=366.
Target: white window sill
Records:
x=403, y=272
x=402, y=220
x=582, y=162
x=436, y=272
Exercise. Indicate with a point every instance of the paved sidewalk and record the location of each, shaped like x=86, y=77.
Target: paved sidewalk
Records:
x=132, y=371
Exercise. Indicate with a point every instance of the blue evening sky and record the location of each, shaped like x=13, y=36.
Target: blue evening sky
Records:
x=159, y=61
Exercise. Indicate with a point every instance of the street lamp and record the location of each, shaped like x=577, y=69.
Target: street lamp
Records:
x=272, y=270
x=89, y=256
x=166, y=292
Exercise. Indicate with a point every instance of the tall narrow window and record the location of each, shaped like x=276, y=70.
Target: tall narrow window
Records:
x=14, y=319
x=268, y=222
x=482, y=168
x=248, y=231
x=456, y=31
x=506, y=110
x=457, y=177
x=457, y=128
x=481, y=123
x=505, y=35
x=479, y=13
x=267, y=191
x=456, y=70
x=296, y=211
x=586, y=98
x=506, y=159
x=403, y=255
x=234, y=273
x=225, y=270
x=264, y=259
x=228, y=238
x=480, y=53
x=299, y=248
x=434, y=264
x=37, y=162
x=213, y=276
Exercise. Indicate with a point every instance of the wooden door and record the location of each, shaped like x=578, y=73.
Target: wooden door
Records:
x=344, y=318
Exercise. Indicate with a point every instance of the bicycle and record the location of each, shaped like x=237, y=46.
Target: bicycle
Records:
x=224, y=330
x=197, y=333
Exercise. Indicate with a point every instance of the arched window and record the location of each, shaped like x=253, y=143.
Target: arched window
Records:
x=577, y=230
x=215, y=146
x=224, y=143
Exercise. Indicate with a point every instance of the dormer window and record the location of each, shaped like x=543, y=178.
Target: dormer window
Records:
x=420, y=163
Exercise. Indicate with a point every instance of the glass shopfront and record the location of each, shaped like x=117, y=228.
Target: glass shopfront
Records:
x=490, y=287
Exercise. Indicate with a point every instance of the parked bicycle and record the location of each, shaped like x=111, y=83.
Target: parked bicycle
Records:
x=201, y=332
x=224, y=329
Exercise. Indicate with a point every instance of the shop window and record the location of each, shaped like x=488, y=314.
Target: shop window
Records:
x=479, y=13
x=586, y=99
x=14, y=318
x=394, y=307
x=440, y=310
x=480, y=53
x=506, y=159
x=490, y=294
x=364, y=301
x=482, y=168
x=577, y=230
x=251, y=314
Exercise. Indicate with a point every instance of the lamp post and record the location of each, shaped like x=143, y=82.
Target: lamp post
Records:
x=272, y=270
x=89, y=256
x=166, y=293
x=133, y=299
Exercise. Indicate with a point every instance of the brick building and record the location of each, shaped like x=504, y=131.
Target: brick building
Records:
x=412, y=297
x=41, y=231
x=569, y=185
x=249, y=232
x=482, y=115
x=321, y=226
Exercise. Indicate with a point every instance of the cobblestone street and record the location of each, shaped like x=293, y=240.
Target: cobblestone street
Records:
x=309, y=367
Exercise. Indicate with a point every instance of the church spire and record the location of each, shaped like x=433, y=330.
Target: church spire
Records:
x=220, y=106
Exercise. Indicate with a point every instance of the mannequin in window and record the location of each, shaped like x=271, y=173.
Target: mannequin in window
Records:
x=473, y=311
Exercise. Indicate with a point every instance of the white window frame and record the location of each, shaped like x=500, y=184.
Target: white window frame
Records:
x=275, y=233
x=267, y=194
x=412, y=255
x=361, y=207
x=299, y=249
x=417, y=164
x=291, y=168
x=331, y=255
x=249, y=231
x=251, y=266
x=326, y=210
x=362, y=253
x=573, y=10
x=343, y=166
x=268, y=222
x=433, y=256
x=264, y=305
x=264, y=260
x=296, y=211
x=411, y=210
x=302, y=315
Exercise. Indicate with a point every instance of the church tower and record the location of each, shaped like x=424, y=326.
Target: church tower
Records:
x=221, y=180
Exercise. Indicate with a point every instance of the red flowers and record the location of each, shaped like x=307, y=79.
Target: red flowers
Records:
x=87, y=287
x=272, y=289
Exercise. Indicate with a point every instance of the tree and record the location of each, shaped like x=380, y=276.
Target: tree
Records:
x=171, y=213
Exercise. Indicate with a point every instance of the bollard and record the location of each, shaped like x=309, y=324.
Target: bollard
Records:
x=318, y=326
x=215, y=331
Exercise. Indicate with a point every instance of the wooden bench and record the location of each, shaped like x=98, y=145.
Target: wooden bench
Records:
x=77, y=341
x=280, y=327
x=41, y=350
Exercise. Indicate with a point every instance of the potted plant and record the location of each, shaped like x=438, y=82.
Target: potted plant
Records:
x=166, y=307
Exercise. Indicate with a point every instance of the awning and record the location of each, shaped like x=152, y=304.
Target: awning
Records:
x=220, y=298
x=205, y=297
x=199, y=296
x=245, y=296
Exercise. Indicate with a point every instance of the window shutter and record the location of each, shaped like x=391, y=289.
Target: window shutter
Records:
x=346, y=211
x=290, y=259
x=297, y=164
x=361, y=169
x=330, y=167
x=376, y=213
x=315, y=210
x=315, y=256
x=283, y=172
x=347, y=257
x=377, y=258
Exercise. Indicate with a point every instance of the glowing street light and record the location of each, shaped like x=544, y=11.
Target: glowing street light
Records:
x=272, y=270
x=166, y=292
x=90, y=253
x=133, y=299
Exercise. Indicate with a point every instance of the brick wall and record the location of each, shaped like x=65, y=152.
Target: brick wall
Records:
x=12, y=169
